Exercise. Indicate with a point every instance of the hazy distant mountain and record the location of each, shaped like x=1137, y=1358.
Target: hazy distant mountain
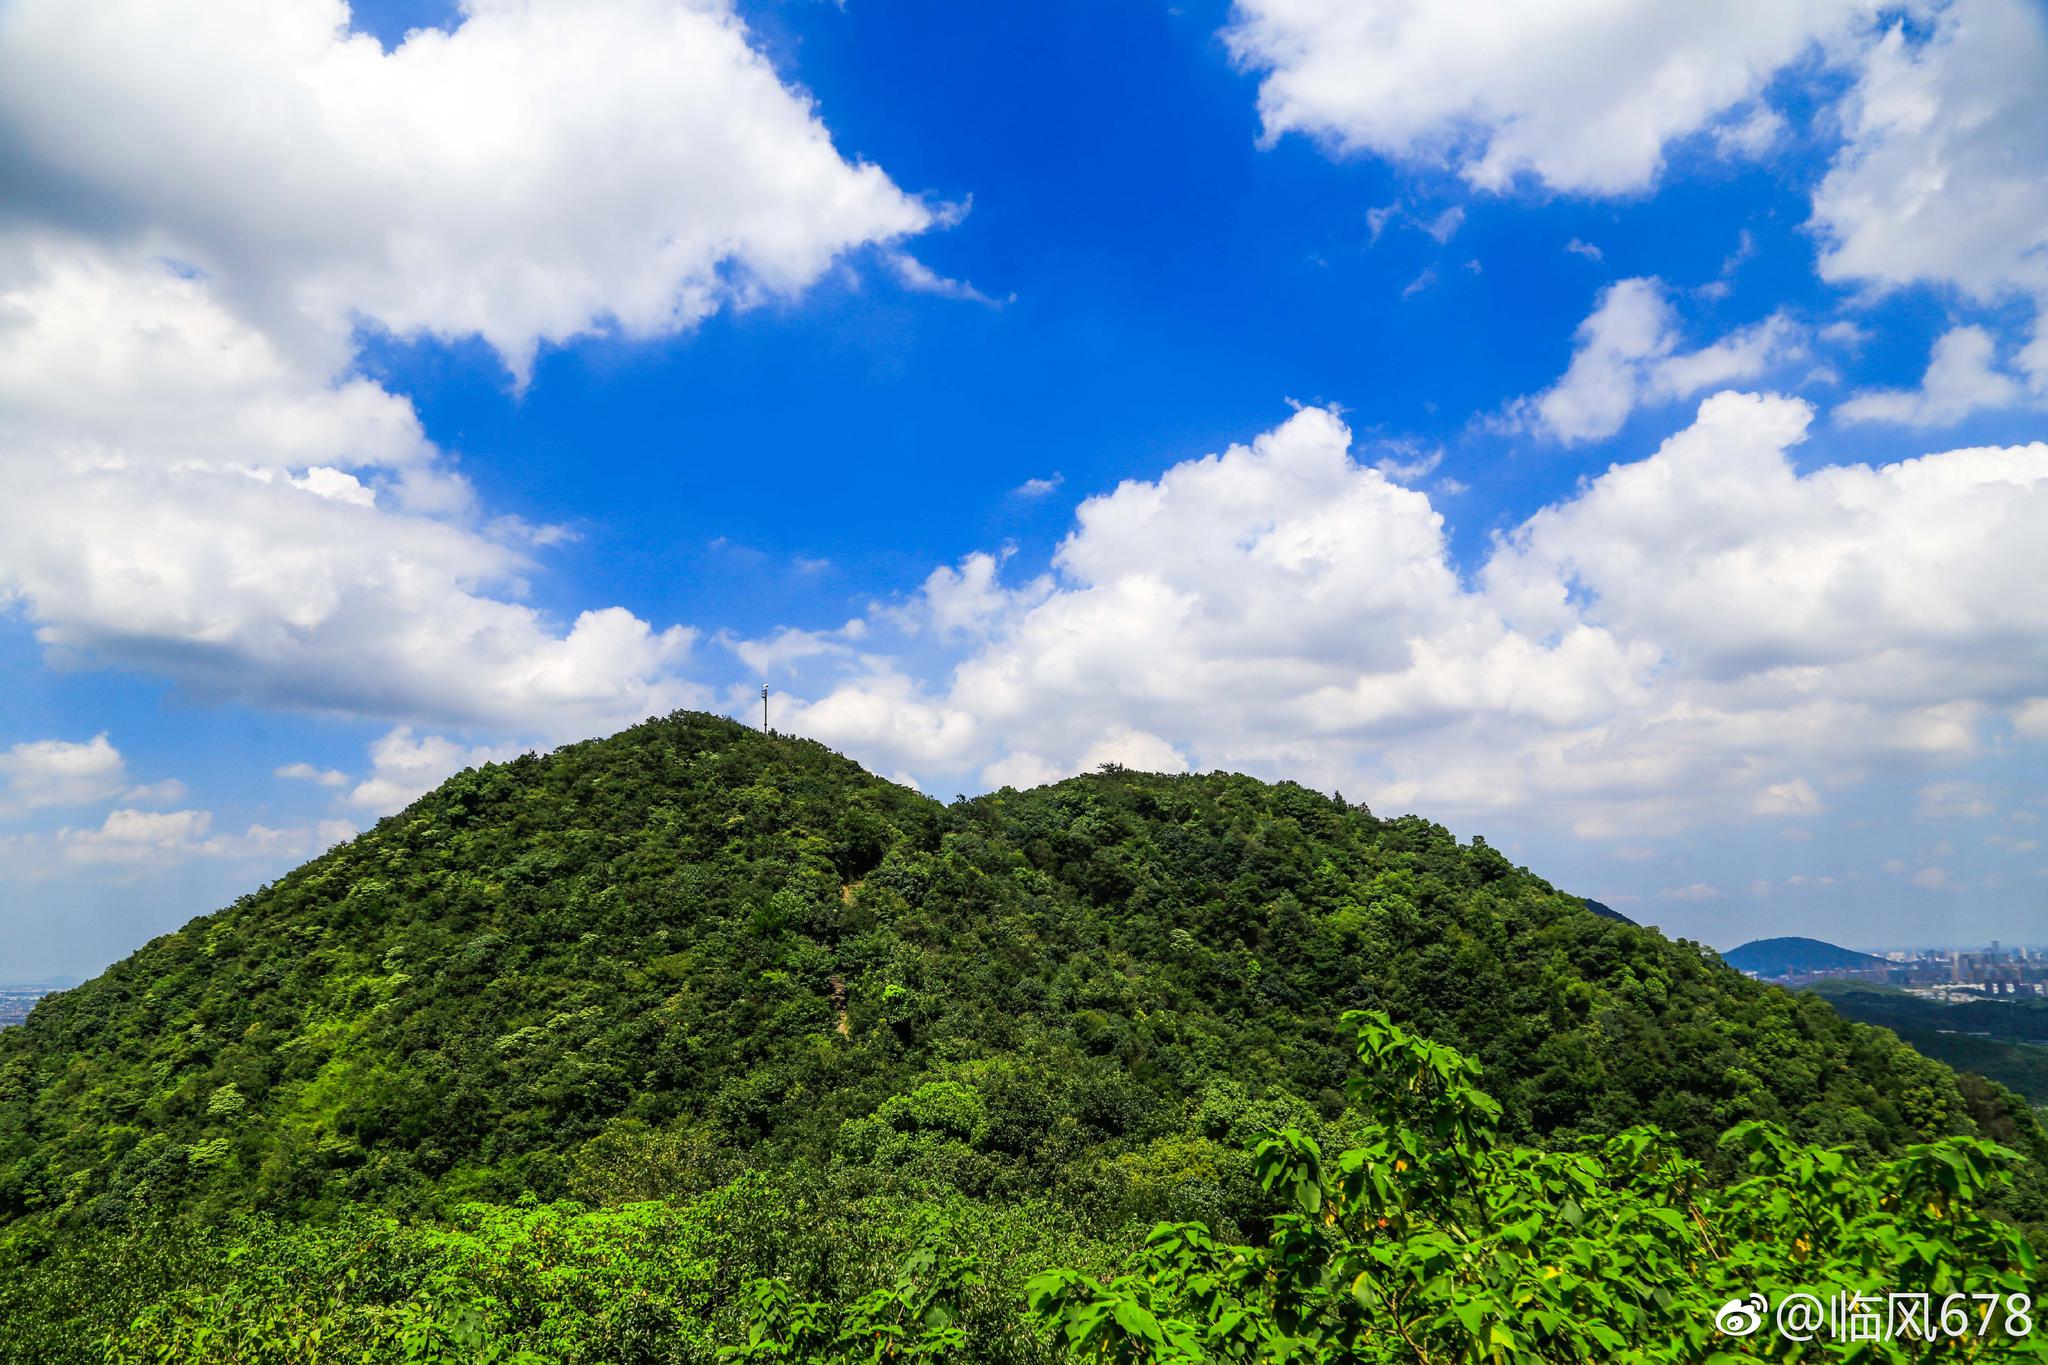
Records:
x=1774, y=957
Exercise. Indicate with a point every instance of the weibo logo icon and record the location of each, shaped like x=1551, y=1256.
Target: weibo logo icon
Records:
x=1740, y=1317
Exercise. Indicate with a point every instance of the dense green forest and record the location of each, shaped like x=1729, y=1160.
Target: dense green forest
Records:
x=2006, y=1040
x=698, y=998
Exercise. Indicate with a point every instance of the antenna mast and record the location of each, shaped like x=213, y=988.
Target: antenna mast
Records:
x=764, y=708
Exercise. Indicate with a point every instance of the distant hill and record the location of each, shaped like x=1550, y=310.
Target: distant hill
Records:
x=1776, y=957
x=1605, y=911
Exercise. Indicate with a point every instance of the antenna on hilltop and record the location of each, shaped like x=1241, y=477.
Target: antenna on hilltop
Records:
x=764, y=708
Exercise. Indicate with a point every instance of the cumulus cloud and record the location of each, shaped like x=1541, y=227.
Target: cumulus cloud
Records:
x=1962, y=377
x=1585, y=97
x=1752, y=136
x=1944, y=174
x=185, y=499
x=1703, y=634
x=306, y=772
x=787, y=647
x=167, y=792
x=1943, y=177
x=56, y=772
x=1796, y=797
x=1627, y=353
x=137, y=839
x=200, y=487
x=138, y=836
x=545, y=169
x=405, y=766
x=1120, y=746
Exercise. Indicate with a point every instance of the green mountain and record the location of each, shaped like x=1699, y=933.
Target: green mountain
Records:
x=1777, y=957
x=690, y=956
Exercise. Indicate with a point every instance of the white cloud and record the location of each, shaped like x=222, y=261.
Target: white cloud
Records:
x=885, y=712
x=139, y=836
x=1421, y=282
x=1752, y=136
x=1944, y=176
x=404, y=767
x=1407, y=461
x=787, y=647
x=1120, y=745
x=1586, y=97
x=56, y=772
x=1129, y=748
x=1586, y=249
x=1705, y=634
x=168, y=792
x=156, y=839
x=157, y=519
x=1961, y=378
x=1627, y=354
x=546, y=169
x=1038, y=488
x=1932, y=879
x=1444, y=226
x=306, y=772
x=1796, y=797
x=1023, y=771
x=2030, y=718
x=1847, y=586
x=967, y=600
x=1694, y=892
x=200, y=486
x=920, y=278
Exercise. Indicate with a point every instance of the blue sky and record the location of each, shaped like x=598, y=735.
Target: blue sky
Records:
x=1563, y=500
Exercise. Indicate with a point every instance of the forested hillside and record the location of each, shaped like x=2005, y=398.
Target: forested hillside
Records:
x=2006, y=1040
x=695, y=964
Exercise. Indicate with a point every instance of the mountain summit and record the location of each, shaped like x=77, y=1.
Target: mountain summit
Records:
x=700, y=934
